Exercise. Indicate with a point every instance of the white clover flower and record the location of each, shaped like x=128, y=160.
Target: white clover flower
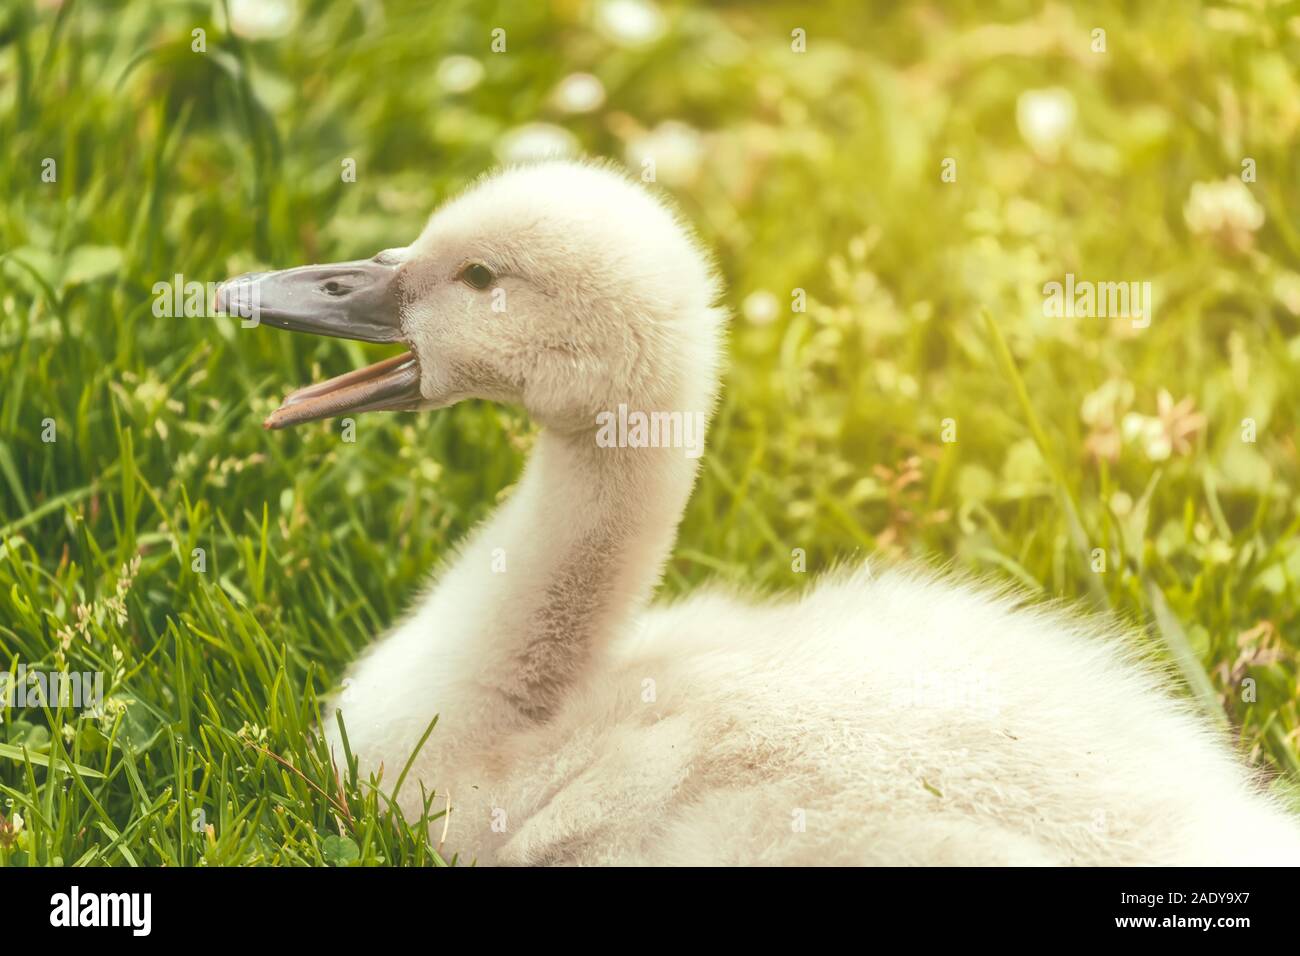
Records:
x=675, y=148
x=459, y=74
x=1121, y=503
x=262, y=19
x=1224, y=211
x=535, y=141
x=760, y=307
x=1173, y=429
x=630, y=22
x=1046, y=119
x=1147, y=432
x=579, y=93
x=1286, y=289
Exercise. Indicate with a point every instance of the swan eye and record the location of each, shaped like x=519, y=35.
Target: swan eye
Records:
x=477, y=276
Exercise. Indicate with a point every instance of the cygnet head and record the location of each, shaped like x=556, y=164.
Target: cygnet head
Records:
x=561, y=286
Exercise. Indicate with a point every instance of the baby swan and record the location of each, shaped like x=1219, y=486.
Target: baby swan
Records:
x=891, y=718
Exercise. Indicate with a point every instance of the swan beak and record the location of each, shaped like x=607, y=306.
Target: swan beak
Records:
x=349, y=300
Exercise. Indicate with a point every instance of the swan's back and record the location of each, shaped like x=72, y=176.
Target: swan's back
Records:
x=905, y=718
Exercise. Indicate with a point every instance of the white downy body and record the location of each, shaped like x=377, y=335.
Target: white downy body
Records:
x=895, y=717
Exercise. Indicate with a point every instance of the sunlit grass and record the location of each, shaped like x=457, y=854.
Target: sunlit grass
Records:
x=818, y=171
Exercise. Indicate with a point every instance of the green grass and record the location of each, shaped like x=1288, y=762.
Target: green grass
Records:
x=818, y=171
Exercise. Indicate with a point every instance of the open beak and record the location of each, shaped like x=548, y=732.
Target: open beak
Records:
x=348, y=300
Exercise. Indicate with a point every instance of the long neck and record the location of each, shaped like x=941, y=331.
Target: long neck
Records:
x=561, y=568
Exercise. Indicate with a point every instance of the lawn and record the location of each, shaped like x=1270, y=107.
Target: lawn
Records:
x=888, y=188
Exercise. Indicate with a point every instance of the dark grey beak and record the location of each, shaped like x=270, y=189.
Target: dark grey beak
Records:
x=348, y=300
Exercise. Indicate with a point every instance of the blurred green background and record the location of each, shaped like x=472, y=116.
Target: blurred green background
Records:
x=910, y=166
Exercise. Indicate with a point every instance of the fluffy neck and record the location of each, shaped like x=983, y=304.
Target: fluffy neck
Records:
x=558, y=571
x=563, y=567
x=591, y=528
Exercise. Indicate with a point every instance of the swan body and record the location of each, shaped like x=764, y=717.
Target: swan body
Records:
x=883, y=717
